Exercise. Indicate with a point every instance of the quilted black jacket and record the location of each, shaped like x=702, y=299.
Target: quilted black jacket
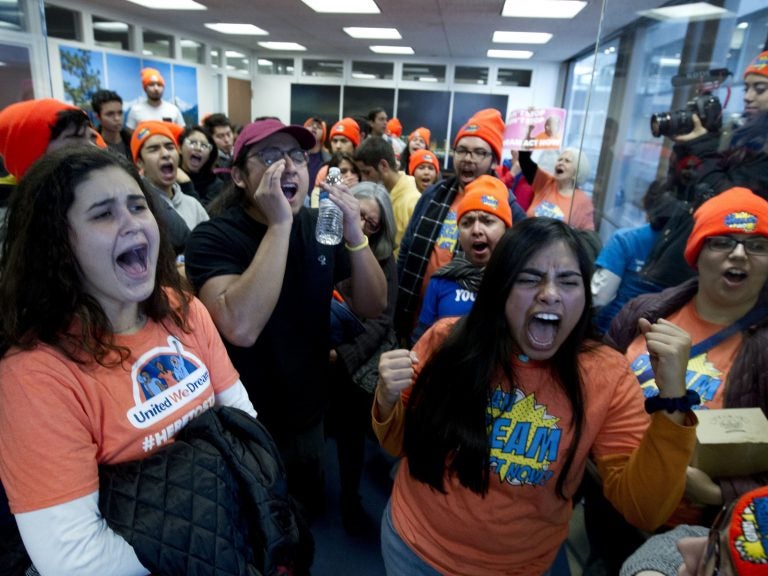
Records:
x=215, y=501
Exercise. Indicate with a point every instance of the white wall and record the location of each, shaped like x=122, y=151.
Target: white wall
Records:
x=272, y=97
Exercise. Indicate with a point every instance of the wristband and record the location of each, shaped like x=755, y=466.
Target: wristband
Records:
x=679, y=404
x=362, y=246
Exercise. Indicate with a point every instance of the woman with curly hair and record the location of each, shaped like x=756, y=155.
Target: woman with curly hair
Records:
x=93, y=305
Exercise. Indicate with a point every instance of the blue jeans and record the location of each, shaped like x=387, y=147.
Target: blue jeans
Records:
x=399, y=559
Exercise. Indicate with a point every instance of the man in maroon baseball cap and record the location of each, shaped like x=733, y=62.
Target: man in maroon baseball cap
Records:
x=267, y=283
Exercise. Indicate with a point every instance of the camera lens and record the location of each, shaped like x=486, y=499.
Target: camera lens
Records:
x=660, y=124
x=680, y=122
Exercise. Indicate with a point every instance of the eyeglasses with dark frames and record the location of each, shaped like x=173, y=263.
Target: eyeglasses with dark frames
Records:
x=269, y=156
x=755, y=246
x=475, y=154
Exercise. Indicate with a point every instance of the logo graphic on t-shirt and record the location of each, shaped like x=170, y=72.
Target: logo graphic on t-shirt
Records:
x=449, y=232
x=701, y=376
x=751, y=541
x=165, y=379
x=549, y=210
x=524, y=439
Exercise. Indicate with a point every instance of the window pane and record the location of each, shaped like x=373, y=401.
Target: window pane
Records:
x=237, y=61
x=192, y=51
x=278, y=66
x=62, y=23
x=372, y=70
x=157, y=44
x=424, y=72
x=470, y=75
x=215, y=58
x=358, y=101
x=324, y=68
x=312, y=100
x=111, y=33
x=425, y=108
x=12, y=16
x=514, y=77
x=15, y=76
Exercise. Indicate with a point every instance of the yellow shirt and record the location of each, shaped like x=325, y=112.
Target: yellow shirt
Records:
x=404, y=196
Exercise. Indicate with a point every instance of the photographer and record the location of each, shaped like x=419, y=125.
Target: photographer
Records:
x=702, y=168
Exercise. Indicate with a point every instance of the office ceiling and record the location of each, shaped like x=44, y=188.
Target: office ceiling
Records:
x=446, y=29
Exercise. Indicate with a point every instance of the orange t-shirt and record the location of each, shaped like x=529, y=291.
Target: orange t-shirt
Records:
x=519, y=525
x=60, y=419
x=707, y=373
x=576, y=210
x=445, y=245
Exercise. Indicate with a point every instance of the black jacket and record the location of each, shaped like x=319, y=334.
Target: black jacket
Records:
x=215, y=501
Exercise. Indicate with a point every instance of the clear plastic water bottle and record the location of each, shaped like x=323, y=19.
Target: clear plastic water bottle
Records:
x=330, y=222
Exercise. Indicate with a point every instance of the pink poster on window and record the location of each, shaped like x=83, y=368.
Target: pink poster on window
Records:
x=534, y=129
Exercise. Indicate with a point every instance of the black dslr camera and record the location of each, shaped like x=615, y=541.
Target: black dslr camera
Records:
x=706, y=106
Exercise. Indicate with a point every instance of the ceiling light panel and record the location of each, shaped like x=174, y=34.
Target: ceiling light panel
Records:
x=241, y=29
x=283, y=46
x=521, y=37
x=343, y=6
x=510, y=54
x=695, y=11
x=373, y=33
x=169, y=4
x=392, y=49
x=542, y=8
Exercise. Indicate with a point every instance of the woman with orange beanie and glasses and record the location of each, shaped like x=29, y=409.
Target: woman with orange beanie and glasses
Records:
x=725, y=310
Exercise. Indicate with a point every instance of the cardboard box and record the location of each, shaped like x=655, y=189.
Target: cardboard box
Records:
x=731, y=442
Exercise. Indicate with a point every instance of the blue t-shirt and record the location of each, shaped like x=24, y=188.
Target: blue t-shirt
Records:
x=444, y=297
x=625, y=255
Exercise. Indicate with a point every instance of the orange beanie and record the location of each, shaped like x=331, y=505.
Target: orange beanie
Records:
x=735, y=211
x=348, y=128
x=425, y=134
x=394, y=127
x=25, y=131
x=149, y=75
x=759, y=65
x=145, y=130
x=488, y=125
x=422, y=157
x=489, y=194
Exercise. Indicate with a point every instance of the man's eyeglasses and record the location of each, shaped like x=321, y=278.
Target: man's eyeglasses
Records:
x=754, y=246
x=199, y=144
x=476, y=154
x=269, y=156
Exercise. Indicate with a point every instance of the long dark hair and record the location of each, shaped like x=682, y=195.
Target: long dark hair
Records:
x=40, y=279
x=446, y=426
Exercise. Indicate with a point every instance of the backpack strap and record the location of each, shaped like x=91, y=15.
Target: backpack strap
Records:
x=742, y=323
